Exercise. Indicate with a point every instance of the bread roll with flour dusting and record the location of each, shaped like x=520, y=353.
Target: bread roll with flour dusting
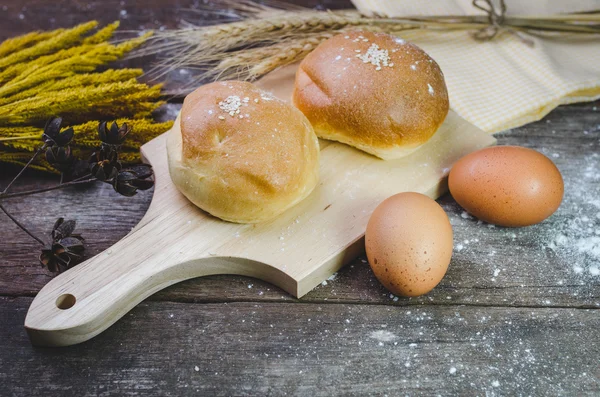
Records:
x=241, y=154
x=372, y=91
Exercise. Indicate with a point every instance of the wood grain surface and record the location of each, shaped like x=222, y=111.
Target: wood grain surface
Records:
x=316, y=349
x=517, y=313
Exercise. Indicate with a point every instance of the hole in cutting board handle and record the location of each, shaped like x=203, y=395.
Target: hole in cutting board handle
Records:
x=65, y=301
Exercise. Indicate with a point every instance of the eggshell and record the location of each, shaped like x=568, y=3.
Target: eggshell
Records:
x=507, y=185
x=409, y=243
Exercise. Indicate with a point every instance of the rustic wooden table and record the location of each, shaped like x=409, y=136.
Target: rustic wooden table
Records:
x=517, y=314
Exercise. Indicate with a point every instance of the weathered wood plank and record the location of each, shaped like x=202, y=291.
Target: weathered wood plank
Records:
x=173, y=349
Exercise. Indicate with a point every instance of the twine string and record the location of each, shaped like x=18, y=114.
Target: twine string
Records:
x=495, y=16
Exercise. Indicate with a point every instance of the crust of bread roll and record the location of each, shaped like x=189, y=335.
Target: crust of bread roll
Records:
x=245, y=161
x=384, y=103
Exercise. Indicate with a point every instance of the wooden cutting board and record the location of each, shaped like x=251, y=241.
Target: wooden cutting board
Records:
x=176, y=241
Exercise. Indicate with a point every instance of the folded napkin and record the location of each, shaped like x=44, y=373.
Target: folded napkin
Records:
x=504, y=83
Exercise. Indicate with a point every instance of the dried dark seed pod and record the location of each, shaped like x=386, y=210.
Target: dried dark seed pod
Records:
x=114, y=135
x=143, y=171
x=66, y=249
x=129, y=181
x=62, y=229
x=105, y=164
x=60, y=157
x=52, y=135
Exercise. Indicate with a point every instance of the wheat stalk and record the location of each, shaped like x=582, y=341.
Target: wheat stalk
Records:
x=271, y=36
x=250, y=64
x=187, y=46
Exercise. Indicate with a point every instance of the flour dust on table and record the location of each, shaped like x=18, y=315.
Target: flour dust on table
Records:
x=576, y=238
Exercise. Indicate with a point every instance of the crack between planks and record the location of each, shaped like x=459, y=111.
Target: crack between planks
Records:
x=486, y=287
x=330, y=302
x=341, y=302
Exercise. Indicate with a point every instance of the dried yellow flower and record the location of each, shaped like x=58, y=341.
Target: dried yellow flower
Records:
x=43, y=74
x=62, y=40
x=11, y=45
x=78, y=80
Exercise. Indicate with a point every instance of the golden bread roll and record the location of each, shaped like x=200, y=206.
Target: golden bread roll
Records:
x=372, y=91
x=241, y=154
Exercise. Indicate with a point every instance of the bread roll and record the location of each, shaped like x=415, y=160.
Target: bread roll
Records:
x=241, y=154
x=372, y=91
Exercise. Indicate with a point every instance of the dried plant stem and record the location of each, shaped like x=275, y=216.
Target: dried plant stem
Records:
x=20, y=225
x=555, y=23
x=20, y=138
x=37, y=152
x=592, y=17
x=47, y=189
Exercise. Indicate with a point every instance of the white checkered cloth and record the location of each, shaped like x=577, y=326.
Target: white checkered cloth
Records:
x=504, y=83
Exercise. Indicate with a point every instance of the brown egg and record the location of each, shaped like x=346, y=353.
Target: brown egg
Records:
x=507, y=185
x=409, y=243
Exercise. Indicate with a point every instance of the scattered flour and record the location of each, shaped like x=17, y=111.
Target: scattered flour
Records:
x=576, y=236
x=566, y=245
x=383, y=336
x=590, y=245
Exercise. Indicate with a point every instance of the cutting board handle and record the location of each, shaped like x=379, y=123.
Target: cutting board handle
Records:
x=79, y=304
